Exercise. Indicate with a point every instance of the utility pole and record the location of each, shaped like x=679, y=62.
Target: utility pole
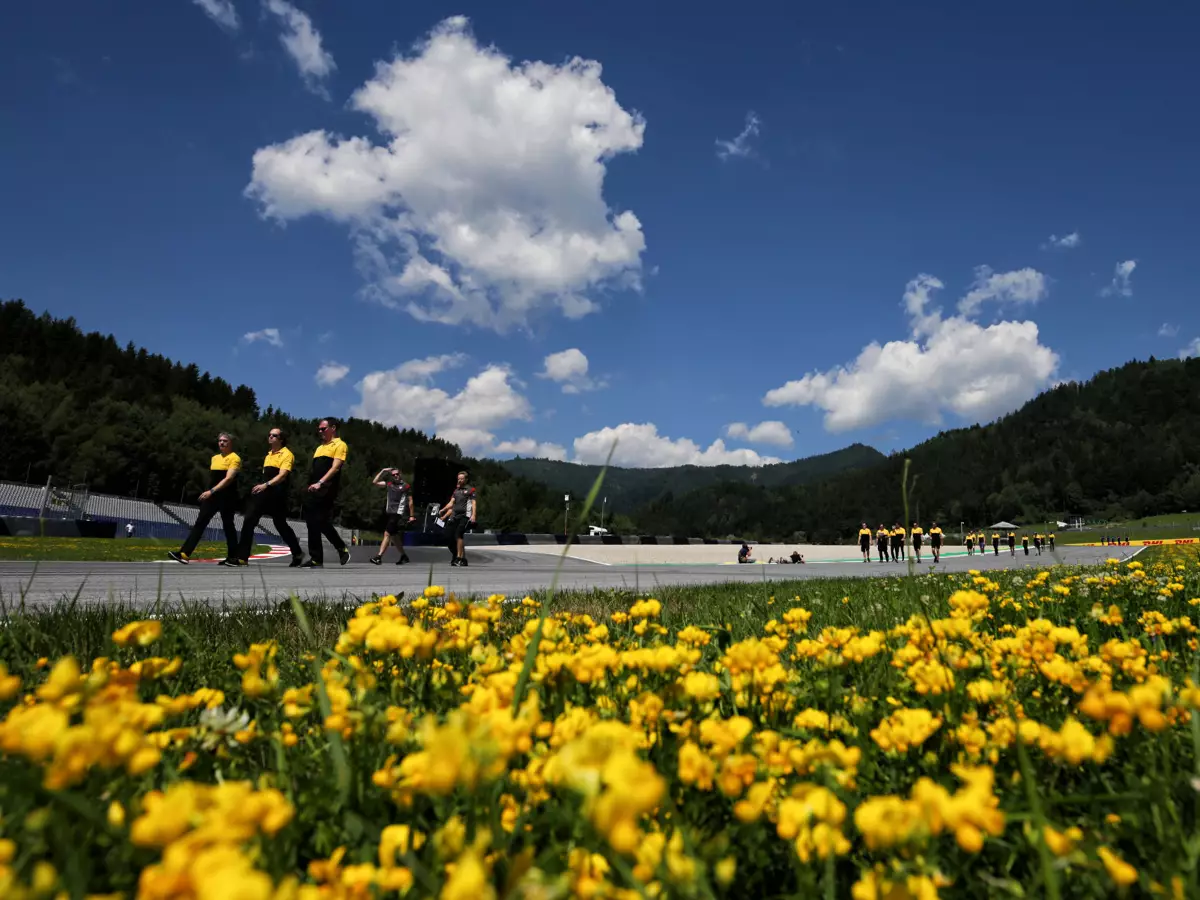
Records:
x=603, y=506
x=566, y=511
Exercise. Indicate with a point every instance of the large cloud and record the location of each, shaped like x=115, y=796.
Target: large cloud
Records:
x=484, y=202
x=405, y=397
x=949, y=365
x=641, y=446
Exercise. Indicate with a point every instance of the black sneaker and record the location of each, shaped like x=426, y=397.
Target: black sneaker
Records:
x=344, y=556
x=462, y=560
x=297, y=561
x=312, y=564
x=454, y=562
x=241, y=562
x=179, y=556
x=402, y=560
x=376, y=560
x=228, y=561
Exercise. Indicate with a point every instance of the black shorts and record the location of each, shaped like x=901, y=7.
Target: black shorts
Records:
x=864, y=543
x=916, y=542
x=935, y=543
x=970, y=542
x=395, y=524
x=456, y=527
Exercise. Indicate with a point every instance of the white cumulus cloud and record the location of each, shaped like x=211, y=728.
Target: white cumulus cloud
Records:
x=948, y=365
x=1168, y=330
x=423, y=370
x=1192, y=349
x=405, y=397
x=1016, y=287
x=267, y=336
x=483, y=203
x=740, y=146
x=769, y=432
x=1066, y=242
x=641, y=446
x=570, y=369
x=532, y=449
x=302, y=42
x=331, y=373
x=1122, y=282
x=220, y=11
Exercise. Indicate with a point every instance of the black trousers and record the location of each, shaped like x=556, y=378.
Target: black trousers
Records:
x=208, y=509
x=258, y=507
x=318, y=516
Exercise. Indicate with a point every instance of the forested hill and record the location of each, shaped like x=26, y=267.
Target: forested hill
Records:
x=628, y=489
x=1125, y=443
x=81, y=408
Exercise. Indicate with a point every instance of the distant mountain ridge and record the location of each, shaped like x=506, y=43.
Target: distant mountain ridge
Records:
x=629, y=489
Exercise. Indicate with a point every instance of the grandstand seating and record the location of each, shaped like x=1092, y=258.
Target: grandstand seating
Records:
x=171, y=521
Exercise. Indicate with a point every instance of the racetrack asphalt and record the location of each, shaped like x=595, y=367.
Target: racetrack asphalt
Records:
x=492, y=571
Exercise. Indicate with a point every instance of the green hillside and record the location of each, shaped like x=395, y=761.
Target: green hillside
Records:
x=629, y=489
x=1124, y=444
x=81, y=408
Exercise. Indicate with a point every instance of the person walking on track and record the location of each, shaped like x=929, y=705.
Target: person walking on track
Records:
x=220, y=498
x=864, y=542
x=917, y=536
x=935, y=542
x=399, y=509
x=459, y=514
x=269, y=498
x=882, y=536
x=1012, y=543
x=326, y=477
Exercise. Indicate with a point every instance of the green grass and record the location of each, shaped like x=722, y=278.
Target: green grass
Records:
x=208, y=635
x=1151, y=528
x=102, y=549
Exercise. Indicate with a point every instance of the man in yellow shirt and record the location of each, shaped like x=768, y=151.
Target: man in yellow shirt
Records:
x=325, y=477
x=1037, y=543
x=864, y=542
x=881, y=542
x=995, y=543
x=269, y=498
x=220, y=498
x=897, y=543
x=1051, y=537
x=935, y=542
x=918, y=535
x=970, y=539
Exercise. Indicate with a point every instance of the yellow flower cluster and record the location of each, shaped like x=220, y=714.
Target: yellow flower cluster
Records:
x=892, y=745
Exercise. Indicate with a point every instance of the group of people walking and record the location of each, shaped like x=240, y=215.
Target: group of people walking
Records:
x=891, y=544
x=268, y=499
x=977, y=540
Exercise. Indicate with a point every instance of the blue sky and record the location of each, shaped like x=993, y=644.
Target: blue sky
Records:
x=850, y=222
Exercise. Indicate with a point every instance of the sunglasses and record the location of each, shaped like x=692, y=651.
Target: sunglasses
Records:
x=322, y=430
x=274, y=435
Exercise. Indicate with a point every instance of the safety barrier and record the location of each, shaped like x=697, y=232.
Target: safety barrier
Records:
x=31, y=526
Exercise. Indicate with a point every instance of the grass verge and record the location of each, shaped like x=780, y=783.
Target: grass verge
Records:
x=55, y=549
x=1016, y=733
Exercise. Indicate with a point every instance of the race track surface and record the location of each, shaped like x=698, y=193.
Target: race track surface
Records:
x=492, y=570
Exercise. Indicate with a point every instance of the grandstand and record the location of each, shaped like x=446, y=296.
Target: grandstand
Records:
x=168, y=521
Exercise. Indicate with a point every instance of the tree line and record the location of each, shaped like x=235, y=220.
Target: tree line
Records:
x=83, y=409
x=1121, y=445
